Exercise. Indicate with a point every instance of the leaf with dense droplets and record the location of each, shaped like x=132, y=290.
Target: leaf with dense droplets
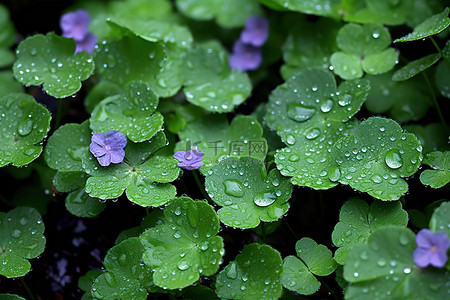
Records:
x=50, y=60
x=440, y=176
x=310, y=99
x=66, y=145
x=133, y=113
x=217, y=139
x=144, y=174
x=327, y=8
x=415, y=67
x=23, y=125
x=21, y=239
x=309, y=46
x=185, y=245
x=126, y=277
x=357, y=220
x=255, y=273
x=228, y=13
x=364, y=48
x=247, y=193
x=80, y=204
x=381, y=11
x=440, y=220
x=375, y=156
x=210, y=83
x=431, y=26
x=384, y=268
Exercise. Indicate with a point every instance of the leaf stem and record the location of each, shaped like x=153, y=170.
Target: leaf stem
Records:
x=433, y=96
x=200, y=185
x=27, y=289
x=58, y=114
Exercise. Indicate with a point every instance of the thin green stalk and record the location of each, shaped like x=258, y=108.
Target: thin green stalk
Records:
x=58, y=114
x=27, y=289
x=200, y=186
x=263, y=231
x=433, y=96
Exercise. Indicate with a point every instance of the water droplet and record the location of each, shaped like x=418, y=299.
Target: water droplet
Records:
x=177, y=211
x=312, y=133
x=25, y=127
x=345, y=99
x=381, y=262
x=16, y=233
x=393, y=159
x=23, y=221
x=334, y=174
x=355, y=274
x=183, y=265
x=403, y=239
x=375, y=34
x=406, y=270
x=327, y=106
x=290, y=139
x=232, y=272
x=33, y=52
x=233, y=188
x=123, y=259
x=376, y=178
x=299, y=112
x=264, y=199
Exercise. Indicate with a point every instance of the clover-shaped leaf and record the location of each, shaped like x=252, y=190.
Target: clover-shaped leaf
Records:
x=440, y=220
x=125, y=277
x=364, y=48
x=431, y=26
x=440, y=176
x=185, y=245
x=50, y=60
x=217, y=139
x=210, y=83
x=23, y=125
x=357, y=221
x=144, y=174
x=8, y=84
x=133, y=113
x=309, y=100
x=247, y=193
x=415, y=67
x=254, y=274
x=384, y=268
x=314, y=259
x=21, y=239
x=375, y=156
x=80, y=204
x=381, y=11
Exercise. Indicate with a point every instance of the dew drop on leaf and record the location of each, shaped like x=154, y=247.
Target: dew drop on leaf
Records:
x=25, y=127
x=233, y=188
x=327, y=106
x=232, y=272
x=334, y=174
x=264, y=199
x=393, y=159
x=299, y=112
x=313, y=133
x=183, y=265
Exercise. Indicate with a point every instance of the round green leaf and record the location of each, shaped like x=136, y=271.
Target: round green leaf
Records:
x=381, y=62
x=66, y=145
x=415, y=67
x=431, y=26
x=318, y=258
x=133, y=113
x=375, y=156
x=247, y=193
x=185, y=245
x=85, y=281
x=21, y=238
x=24, y=123
x=357, y=221
x=66, y=182
x=50, y=60
x=383, y=268
x=80, y=204
x=347, y=66
x=8, y=84
x=440, y=176
x=125, y=277
x=440, y=220
x=254, y=274
x=297, y=277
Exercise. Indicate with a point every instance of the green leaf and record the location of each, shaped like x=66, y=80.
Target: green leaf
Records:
x=382, y=11
x=6, y=57
x=247, y=193
x=65, y=147
x=184, y=245
x=357, y=221
x=326, y=8
x=364, y=47
x=24, y=123
x=100, y=91
x=50, y=60
x=8, y=84
x=442, y=77
x=66, y=182
x=11, y=297
x=198, y=9
x=311, y=100
x=440, y=176
x=21, y=239
x=125, y=277
x=383, y=268
x=133, y=113
x=143, y=174
x=210, y=83
x=85, y=281
x=375, y=156
x=297, y=277
x=155, y=217
x=415, y=67
x=254, y=274
x=440, y=220
x=218, y=140
x=432, y=136
x=80, y=204
x=431, y=26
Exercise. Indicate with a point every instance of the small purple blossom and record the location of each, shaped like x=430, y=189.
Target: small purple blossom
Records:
x=189, y=160
x=431, y=249
x=108, y=148
x=75, y=24
x=88, y=44
x=255, y=32
x=245, y=57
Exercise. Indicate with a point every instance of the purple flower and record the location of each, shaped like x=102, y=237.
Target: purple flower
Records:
x=75, y=24
x=431, y=248
x=245, y=57
x=256, y=31
x=88, y=44
x=108, y=148
x=189, y=160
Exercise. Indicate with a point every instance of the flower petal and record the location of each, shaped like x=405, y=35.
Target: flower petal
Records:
x=96, y=149
x=99, y=138
x=104, y=160
x=422, y=257
x=117, y=155
x=116, y=139
x=424, y=238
